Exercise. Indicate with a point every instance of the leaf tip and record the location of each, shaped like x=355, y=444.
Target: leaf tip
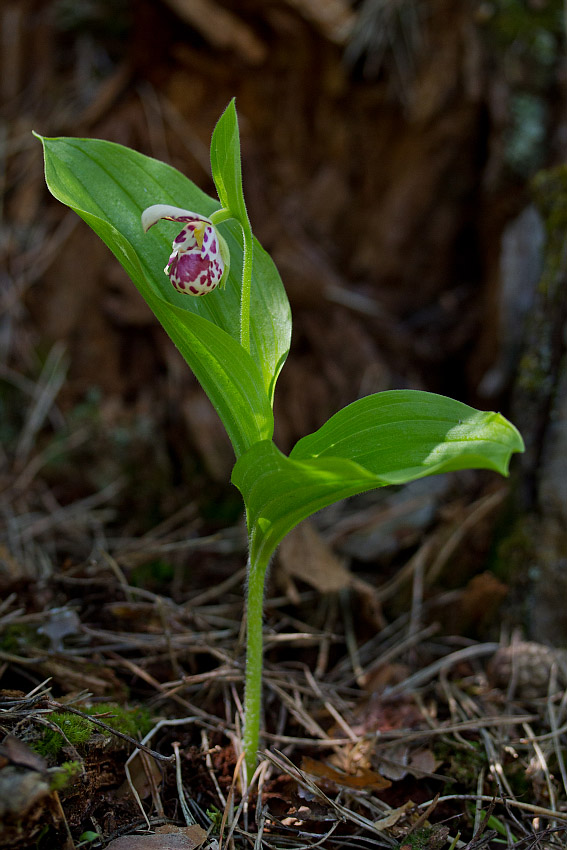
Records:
x=517, y=445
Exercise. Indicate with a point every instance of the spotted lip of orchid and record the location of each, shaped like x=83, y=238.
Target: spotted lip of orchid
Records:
x=200, y=259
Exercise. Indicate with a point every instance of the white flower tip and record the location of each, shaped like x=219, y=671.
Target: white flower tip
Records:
x=157, y=211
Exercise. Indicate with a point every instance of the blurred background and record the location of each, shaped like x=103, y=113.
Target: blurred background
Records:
x=400, y=163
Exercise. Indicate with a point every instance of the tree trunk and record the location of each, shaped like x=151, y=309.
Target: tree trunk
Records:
x=539, y=408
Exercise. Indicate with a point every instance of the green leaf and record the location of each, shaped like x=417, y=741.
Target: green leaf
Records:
x=226, y=165
x=89, y=835
x=402, y=435
x=388, y=438
x=280, y=492
x=228, y=374
x=109, y=186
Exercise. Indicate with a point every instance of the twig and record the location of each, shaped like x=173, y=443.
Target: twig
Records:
x=527, y=807
x=187, y=814
x=423, y=676
x=557, y=748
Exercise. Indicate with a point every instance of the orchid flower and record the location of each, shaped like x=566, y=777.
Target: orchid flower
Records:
x=200, y=259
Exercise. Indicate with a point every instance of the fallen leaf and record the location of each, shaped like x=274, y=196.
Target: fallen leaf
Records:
x=397, y=762
x=363, y=778
x=18, y=753
x=374, y=715
x=142, y=782
x=393, y=817
x=481, y=597
x=394, y=761
x=376, y=681
x=423, y=762
x=304, y=555
x=21, y=790
x=194, y=832
x=167, y=837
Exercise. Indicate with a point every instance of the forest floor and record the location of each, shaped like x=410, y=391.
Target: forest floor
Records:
x=402, y=706
x=122, y=680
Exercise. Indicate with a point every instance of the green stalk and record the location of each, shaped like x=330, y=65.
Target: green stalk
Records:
x=220, y=215
x=223, y=215
x=256, y=569
x=246, y=288
x=254, y=652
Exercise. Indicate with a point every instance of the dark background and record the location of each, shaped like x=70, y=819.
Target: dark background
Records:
x=388, y=152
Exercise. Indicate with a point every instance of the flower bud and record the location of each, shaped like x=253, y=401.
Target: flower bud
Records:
x=200, y=259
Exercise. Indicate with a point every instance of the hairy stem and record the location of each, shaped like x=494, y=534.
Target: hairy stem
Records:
x=246, y=288
x=254, y=650
x=223, y=215
x=220, y=215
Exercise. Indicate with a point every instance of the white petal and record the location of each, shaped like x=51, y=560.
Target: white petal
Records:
x=154, y=213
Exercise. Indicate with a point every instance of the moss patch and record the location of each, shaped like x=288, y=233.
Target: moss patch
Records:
x=77, y=730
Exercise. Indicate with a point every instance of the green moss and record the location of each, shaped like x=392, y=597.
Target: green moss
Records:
x=514, y=551
x=427, y=838
x=462, y=764
x=152, y=576
x=537, y=368
x=534, y=371
x=64, y=775
x=18, y=635
x=549, y=189
x=215, y=816
x=135, y=722
x=76, y=730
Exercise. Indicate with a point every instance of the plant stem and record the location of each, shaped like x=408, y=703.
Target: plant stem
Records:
x=220, y=215
x=254, y=650
x=223, y=215
x=246, y=288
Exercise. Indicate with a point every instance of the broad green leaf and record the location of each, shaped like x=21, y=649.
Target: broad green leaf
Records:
x=109, y=185
x=388, y=438
x=118, y=180
x=402, y=435
x=225, y=164
x=280, y=492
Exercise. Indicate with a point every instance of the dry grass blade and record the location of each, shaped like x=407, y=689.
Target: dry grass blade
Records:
x=342, y=812
x=476, y=513
x=427, y=673
x=555, y=732
x=228, y=814
x=187, y=814
x=50, y=382
x=539, y=811
x=142, y=745
x=542, y=765
x=335, y=714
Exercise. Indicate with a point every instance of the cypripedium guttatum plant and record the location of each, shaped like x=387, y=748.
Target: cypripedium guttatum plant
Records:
x=223, y=304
